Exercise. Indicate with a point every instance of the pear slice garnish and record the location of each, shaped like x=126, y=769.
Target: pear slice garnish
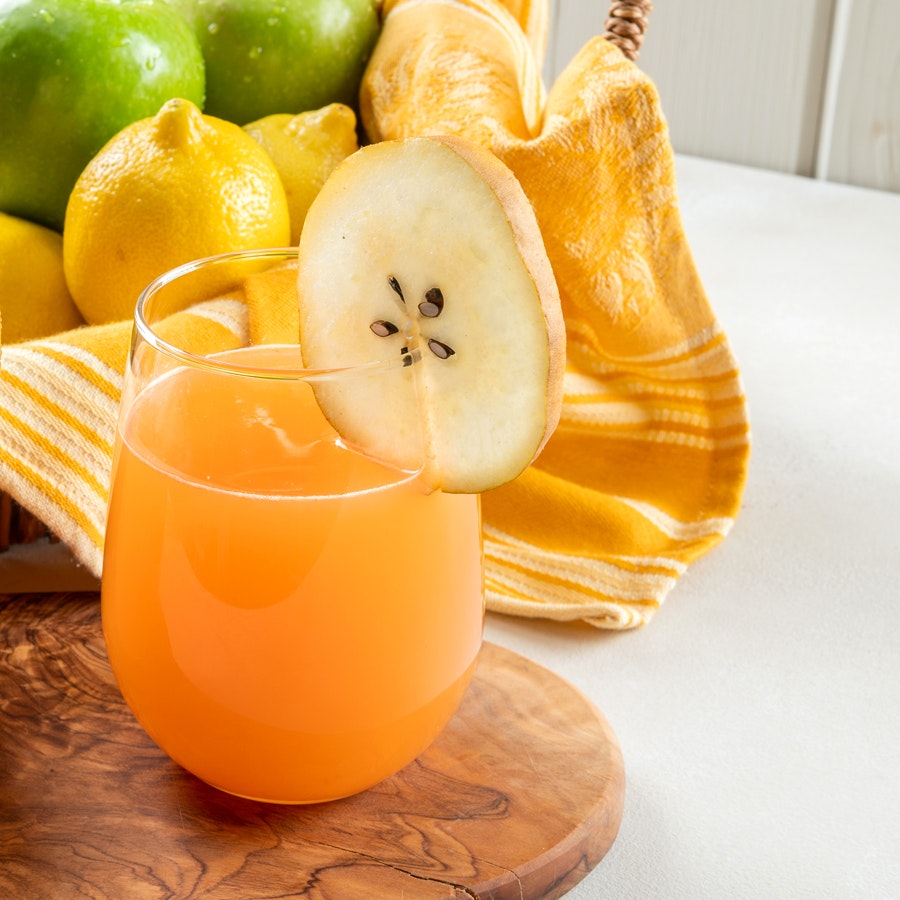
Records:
x=427, y=252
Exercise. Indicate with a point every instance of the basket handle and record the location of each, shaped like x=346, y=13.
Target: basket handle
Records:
x=627, y=24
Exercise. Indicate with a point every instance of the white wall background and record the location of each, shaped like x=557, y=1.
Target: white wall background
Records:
x=810, y=87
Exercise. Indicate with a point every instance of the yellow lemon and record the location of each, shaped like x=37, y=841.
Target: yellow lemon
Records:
x=34, y=300
x=166, y=190
x=305, y=149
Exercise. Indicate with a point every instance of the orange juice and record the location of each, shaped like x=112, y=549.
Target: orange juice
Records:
x=288, y=619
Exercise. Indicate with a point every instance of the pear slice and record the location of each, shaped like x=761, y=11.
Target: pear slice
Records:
x=427, y=251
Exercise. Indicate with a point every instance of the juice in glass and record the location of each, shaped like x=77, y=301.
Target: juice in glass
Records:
x=288, y=619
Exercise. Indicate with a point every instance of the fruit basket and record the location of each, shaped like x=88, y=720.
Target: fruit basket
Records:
x=625, y=27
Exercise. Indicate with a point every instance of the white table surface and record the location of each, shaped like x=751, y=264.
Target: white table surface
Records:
x=759, y=711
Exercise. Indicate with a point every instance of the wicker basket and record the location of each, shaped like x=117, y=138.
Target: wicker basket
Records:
x=17, y=525
x=625, y=27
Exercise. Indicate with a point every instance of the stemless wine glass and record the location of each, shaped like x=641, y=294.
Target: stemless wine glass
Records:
x=290, y=620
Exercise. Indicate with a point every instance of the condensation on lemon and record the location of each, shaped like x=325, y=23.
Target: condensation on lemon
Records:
x=166, y=190
x=305, y=149
x=34, y=299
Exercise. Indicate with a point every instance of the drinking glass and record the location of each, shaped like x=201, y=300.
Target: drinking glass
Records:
x=288, y=619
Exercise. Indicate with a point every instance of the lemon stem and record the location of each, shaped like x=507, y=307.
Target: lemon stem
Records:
x=178, y=123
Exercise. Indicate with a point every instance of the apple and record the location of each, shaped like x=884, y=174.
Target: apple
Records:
x=281, y=56
x=72, y=74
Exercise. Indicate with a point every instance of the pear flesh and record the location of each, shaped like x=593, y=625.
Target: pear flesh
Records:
x=424, y=255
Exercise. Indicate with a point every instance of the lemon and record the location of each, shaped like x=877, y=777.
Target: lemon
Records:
x=34, y=300
x=305, y=149
x=166, y=190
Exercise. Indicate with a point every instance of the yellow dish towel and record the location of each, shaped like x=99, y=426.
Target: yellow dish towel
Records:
x=646, y=470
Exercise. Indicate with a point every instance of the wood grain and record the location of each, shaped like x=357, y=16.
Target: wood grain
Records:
x=520, y=797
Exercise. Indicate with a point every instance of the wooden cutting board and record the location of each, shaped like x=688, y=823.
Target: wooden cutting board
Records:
x=520, y=797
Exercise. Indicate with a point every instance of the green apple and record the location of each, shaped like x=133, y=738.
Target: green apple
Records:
x=72, y=74
x=281, y=56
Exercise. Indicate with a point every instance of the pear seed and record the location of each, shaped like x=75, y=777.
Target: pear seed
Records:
x=383, y=328
x=441, y=351
x=395, y=287
x=433, y=304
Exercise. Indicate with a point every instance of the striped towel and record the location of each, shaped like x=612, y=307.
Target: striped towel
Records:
x=59, y=400
x=646, y=469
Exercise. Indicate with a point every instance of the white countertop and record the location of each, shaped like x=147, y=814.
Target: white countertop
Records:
x=759, y=711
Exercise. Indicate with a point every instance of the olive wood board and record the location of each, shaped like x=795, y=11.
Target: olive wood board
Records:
x=519, y=797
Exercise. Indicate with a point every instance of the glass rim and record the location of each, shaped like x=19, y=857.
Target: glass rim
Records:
x=147, y=332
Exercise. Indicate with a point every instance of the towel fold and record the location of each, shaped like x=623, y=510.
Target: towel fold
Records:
x=646, y=470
